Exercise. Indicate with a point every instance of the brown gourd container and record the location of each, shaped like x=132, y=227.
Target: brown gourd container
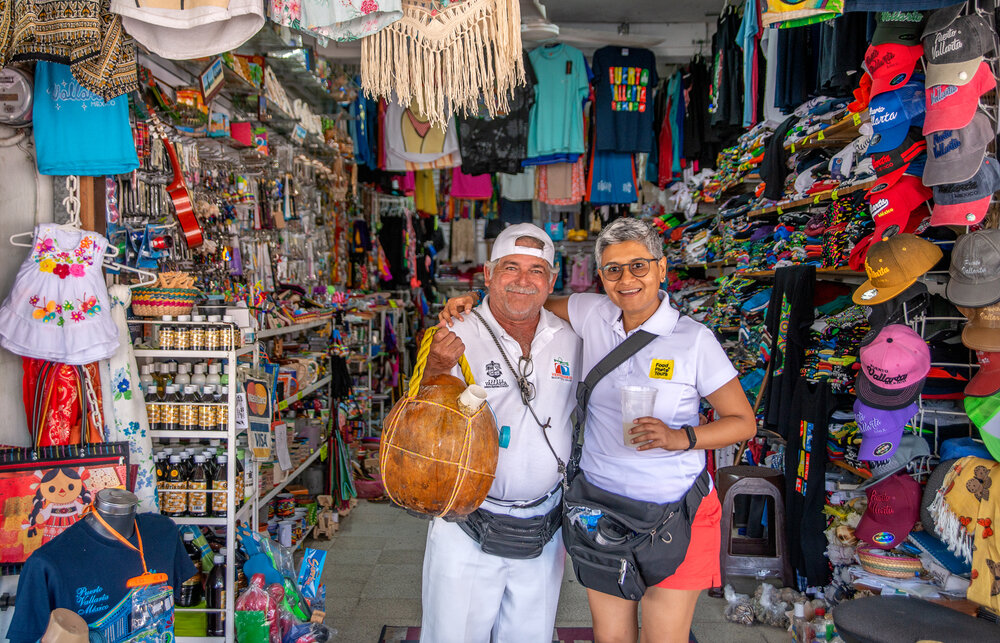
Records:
x=438, y=453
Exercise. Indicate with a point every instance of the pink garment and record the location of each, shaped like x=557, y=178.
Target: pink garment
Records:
x=466, y=186
x=409, y=183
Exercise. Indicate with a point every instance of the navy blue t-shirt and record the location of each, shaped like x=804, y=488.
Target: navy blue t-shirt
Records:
x=85, y=572
x=624, y=83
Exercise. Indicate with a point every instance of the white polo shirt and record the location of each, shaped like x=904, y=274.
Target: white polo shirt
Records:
x=526, y=469
x=685, y=363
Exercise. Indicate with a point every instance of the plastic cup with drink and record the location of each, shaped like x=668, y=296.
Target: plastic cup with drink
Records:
x=637, y=402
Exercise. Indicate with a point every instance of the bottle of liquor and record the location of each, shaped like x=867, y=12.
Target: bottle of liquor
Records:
x=215, y=597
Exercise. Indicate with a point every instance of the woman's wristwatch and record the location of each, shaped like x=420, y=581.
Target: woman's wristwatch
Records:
x=692, y=437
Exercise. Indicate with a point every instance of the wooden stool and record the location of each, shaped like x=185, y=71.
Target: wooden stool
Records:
x=753, y=556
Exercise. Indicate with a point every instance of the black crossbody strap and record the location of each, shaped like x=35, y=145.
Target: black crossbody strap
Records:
x=618, y=356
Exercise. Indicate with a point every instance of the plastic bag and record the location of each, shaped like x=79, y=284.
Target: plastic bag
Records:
x=257, y=599
x=738, y=607
x=769, y=606
x=152, y=616
x=309, y=633
x=285, y=618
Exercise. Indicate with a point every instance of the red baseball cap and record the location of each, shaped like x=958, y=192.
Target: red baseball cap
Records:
x=893, y=206
x=891, y=65
x=986, y=381
x=893, y=510
x=954, y=106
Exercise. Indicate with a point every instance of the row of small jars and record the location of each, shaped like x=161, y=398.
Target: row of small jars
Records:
x=199, y=333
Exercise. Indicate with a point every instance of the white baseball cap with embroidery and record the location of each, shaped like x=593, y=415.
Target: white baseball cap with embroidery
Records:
x=506, y=243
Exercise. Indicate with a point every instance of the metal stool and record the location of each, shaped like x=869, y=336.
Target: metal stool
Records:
x=753, y=557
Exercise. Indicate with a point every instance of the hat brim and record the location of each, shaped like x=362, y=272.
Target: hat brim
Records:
x=952, y=73
x=886, y=399
x=944, y=172
x=868, y=294
x=984, y=383
x=957, y=110
x=972, y=295
x=981, y=338
x=960, y=213
x=868, y=527
x=875, y=441
x=890, y=138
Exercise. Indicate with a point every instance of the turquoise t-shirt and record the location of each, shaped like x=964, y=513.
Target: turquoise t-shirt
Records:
x=76, y=132
x=557, y=115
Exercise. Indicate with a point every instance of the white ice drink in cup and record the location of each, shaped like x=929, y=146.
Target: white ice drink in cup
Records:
x=637, y=402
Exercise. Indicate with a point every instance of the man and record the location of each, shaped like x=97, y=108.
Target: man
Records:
x=511, y=594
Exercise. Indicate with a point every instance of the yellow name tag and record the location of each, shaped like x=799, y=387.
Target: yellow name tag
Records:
x=662, y=369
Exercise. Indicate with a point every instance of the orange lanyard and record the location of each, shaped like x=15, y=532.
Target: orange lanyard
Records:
x=146, y=578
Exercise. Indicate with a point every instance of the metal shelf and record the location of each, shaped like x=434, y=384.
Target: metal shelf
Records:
x=161, y=352
x=191, y=435
x=266, y=498
x=312, y=388
x=206, y=520
x=294, y=328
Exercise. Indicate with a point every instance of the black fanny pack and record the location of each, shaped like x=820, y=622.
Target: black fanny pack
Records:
x=510, y=537
x=621, y=546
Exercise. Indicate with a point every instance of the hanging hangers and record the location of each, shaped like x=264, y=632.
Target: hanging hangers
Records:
x=74, y=224
x=148, y=278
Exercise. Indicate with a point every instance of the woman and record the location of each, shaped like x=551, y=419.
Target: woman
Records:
x=684, y=363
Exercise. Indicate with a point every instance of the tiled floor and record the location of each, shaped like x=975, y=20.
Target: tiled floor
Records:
x=372, y=577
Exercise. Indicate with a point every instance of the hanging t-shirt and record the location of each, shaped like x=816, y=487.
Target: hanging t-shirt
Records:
x=624, y=80
x=424, y=192
x=612, y=178
x=86, y=573
x=747, y=41
x=556, y=125
x=499, y=144
x=409, y=137
x=76, y=132
x=518, y=187
x=466, y=186
x=185, y=29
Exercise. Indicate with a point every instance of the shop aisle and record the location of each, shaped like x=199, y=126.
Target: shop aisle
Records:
x=372, y=577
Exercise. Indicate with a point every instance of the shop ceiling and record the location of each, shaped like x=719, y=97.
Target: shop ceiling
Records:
x=675, y=30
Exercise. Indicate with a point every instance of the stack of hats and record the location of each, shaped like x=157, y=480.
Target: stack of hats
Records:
x=957, y=132
x=974, y=288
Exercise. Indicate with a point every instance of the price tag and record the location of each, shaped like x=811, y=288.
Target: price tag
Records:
x=821, y=136
x=815, y=199
x=833, y=195
x=779, y=210
x=323, y=452
x=281, y=445
x=856, y=118
x=793, y=148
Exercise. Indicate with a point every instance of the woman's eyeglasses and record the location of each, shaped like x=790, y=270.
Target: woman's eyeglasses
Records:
x=638, y=268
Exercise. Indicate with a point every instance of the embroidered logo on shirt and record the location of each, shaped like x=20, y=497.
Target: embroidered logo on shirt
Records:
x=662, y=369
x=493, y=369
x=92, y=600
x=560, y=370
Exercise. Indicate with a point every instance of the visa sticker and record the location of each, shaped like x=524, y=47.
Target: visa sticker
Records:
x=662, y=369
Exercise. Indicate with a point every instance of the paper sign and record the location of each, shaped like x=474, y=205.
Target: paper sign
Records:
x=281, y=445
x=259, y=412
x=241, y=412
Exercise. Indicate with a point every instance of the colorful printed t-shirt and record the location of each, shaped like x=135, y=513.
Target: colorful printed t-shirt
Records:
x=86, y=573
x=624, y=81
x=557, y=116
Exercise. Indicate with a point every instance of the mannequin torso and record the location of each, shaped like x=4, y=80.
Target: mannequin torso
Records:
x=117, y=507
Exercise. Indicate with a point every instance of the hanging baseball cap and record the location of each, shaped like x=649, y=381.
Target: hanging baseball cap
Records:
x=954, y=52
x=982, y=331
x=893, y=113
x=893, y=266
x=893, y=368
x=986, y=381
x=891, y=65
x=880, y=429
x=966, y=203
x=892, y=165
x=893, y=510
x=506, y=243
x=901, y=27
x=954, y=106
x=985, y=414
x=941, y=18
x=974, y=274
x=891, y=208
x=898, y=310
x=955, y=155
x=910, y=448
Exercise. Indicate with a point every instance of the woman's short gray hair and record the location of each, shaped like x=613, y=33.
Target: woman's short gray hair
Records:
x=629, y=229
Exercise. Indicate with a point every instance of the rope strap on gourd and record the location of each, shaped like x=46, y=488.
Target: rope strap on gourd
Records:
x=418, y=370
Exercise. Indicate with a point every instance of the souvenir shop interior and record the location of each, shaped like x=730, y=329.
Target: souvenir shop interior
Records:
x=228, y=225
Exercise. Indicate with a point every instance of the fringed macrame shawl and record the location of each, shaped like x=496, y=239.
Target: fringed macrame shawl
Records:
x=447, y=57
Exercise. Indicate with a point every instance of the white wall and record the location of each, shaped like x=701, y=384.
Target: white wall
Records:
x=19, y=211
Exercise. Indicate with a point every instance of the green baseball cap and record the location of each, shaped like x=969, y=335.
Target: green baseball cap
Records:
x=985, y=414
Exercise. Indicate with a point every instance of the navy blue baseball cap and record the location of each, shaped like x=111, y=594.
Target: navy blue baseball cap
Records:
x=893, y=113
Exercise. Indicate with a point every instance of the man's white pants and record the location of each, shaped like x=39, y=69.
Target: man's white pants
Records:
x=473, y=597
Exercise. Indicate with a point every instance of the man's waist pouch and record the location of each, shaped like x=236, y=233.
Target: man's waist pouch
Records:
x=510, y=536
